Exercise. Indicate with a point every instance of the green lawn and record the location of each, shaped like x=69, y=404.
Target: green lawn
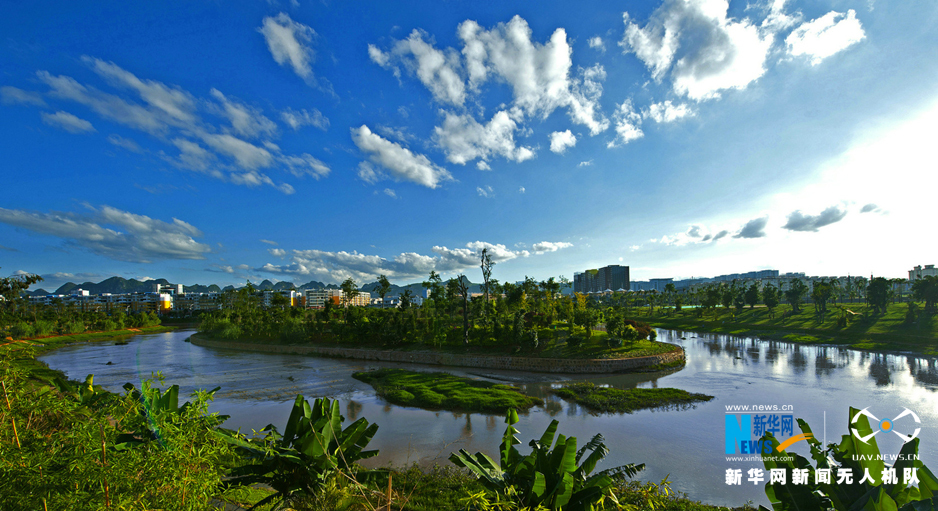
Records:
x=442, y=391
x=863, y=331
x=607, y=399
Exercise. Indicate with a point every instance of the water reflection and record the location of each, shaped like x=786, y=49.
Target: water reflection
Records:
x=819, y=382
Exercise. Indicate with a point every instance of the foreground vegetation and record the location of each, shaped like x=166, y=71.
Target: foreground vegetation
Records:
x=442, y=391
x=607, y=399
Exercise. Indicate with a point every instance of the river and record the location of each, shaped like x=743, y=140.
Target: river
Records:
x=816, y=383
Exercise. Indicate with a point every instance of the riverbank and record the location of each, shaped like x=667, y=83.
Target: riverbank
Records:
x=518, y=363
x=864, y=331
x=39, y=345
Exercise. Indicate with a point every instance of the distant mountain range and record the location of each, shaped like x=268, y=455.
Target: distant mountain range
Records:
x=119, y=285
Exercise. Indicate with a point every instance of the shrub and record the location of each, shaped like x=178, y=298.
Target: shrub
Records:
x=22, y=330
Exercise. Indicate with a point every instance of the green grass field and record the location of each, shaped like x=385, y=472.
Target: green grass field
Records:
x=863, y=331
x=442, y=391
x=606, y=399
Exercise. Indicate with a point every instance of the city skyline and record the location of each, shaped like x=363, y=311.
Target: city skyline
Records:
x=296, y=141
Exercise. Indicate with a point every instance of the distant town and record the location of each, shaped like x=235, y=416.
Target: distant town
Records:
x=165, y=298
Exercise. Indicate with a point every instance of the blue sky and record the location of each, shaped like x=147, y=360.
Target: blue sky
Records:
x=209, y=142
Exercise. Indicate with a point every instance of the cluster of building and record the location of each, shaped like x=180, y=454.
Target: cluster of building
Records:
x=167, y=298
x=610, y=279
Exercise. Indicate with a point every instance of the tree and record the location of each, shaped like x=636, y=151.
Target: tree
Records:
x=669, y=291
x=349, y=292
x=752, y=295
x=877, y=294
x=926, y=289
x=12, y=287
x=795, y=294
x=487, y=265
x=407, y=299
x=770, y=297
x=727, y=295
x=820, y=293
x=434, y=288
x=464, y=293
x=384, y=286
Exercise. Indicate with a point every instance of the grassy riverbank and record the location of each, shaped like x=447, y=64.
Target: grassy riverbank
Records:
x=606, y=399
x=864, y=330
x=442, y=391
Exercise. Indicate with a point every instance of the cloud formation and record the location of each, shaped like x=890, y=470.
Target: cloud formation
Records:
x=754, y=228
x=239, y=149
x=798, y=221
x=288, y=42
x=296, y=119
x=400, y=161
x=338, y=266
x=464, y=139
x=67, y=122
x=825, y=36
x=14, y=96
x=115, y=234
x=704, y=50
x=628, y=125
x=541, y=78
x=667, y=112
x=560, y=141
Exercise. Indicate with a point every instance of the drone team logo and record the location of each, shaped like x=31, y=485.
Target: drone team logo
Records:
x=887, y=425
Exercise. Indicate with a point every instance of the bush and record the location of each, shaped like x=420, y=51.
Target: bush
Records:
x=43, y=327
x=73, y=327
x=22, y=330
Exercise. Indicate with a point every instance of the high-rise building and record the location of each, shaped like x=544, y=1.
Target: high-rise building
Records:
x=608, y=278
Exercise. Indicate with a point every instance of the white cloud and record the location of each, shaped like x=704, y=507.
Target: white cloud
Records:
x=288, y=42
x=126, y=143
x=305, y=165
x=338, y=266
x=67, y=122
x=175, y=103
x=667, y=112
x=390, y=193
x=547, y=246
x=825, y=36
x=245, y=120
x=171, y=114
x=13, y=96
x=486, y=192
x=277, y=252
x=539, y=74
x=245, y=154
x=296, y=119
x=400, y=161
x=274, y=243
x=368, y=173
x=628, y=124
x=561, y=140
x=483, y=165
x=465, y=139
x=113, y=233
x=106, y=105
x=586, y=163
x=521, y=190
x=437, y=70
x=717, y=53
x=597, y=42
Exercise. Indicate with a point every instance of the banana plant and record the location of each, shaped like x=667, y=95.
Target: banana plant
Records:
x=555, y=478
x=860, y=457
x=312, y=449
x=160, y=409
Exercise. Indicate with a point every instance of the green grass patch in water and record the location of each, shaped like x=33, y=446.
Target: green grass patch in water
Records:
x=442, y=391
x=607, y=399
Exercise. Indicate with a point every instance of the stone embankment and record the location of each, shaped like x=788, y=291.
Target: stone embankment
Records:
x=541, y=365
